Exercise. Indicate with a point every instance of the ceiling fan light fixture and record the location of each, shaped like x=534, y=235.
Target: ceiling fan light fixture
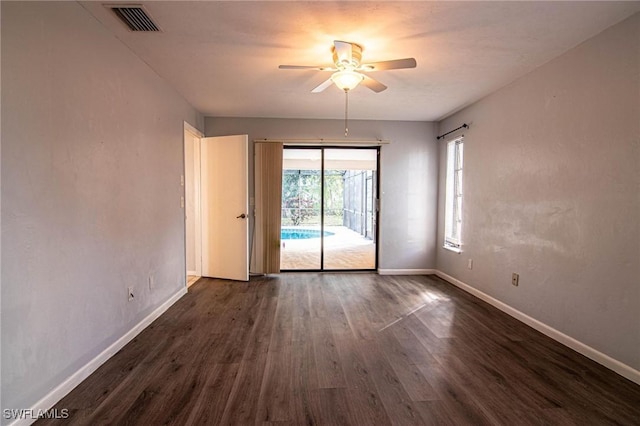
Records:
x=346, y=80
x=348, y=70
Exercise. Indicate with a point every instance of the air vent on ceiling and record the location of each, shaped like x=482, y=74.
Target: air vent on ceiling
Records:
x=134, y=17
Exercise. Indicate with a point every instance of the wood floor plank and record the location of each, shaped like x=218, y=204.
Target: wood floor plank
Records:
x=497, y=404
x=260, y=336
x=242, y=404
x=133, y=389
x=282, y=333
x=355, y=309
x=345, y=349
x=274, y=402
x=337, y=318
x=167, y=399
x=209, y=405
x=409, y=375
x=318, y=309
x=365, y=405
x=395, y=399
x=434, y=413
x=301, y=311
x=329, y=407
x=456, y=406
x=304, y=379
x=239, y=322
x=413, y=349
x=426, y=338
x=327, y=361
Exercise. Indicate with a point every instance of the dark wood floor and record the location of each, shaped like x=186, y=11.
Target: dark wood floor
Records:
x=340, y=349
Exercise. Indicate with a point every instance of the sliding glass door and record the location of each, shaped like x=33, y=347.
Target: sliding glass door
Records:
x=301, y=209
x=329, y=208
x=350, y=191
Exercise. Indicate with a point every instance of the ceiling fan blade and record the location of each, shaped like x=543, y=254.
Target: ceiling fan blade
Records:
x=344, y=51
x=395, y=64
x=305, y=67
x=372, y=84
x=323, y=86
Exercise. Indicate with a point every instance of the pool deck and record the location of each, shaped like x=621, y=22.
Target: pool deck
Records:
x=345, y=249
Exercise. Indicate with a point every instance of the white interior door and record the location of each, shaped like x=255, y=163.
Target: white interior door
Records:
x=225, y=207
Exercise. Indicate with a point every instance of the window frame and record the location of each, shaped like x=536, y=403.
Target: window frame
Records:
x=454, y=195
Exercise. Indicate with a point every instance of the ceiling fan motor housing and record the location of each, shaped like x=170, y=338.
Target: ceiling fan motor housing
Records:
x=349, y=63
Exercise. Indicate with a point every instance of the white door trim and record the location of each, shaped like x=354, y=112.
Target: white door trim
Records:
x=197, y=134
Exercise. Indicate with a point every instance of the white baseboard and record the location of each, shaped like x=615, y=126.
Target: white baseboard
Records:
x=76, y=378
x=597, y=356
x=193, y=273
x=406, y=271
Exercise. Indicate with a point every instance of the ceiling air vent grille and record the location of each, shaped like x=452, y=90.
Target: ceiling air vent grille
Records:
x=134, y=17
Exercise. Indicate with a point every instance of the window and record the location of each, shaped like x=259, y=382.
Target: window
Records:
x=453, y=201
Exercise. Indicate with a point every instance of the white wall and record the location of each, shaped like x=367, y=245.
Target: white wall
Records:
x=92, y=153
x=552, y=191
x=408, y=176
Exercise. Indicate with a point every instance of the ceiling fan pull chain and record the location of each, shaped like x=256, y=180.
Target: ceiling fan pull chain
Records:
x=346, y=113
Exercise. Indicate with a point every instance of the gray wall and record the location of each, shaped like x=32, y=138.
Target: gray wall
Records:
x=91, y=164
x=552, y=191
x=408, y=172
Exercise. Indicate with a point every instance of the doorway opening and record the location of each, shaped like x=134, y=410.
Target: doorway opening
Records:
x=216, y=206
x=191, y=204
x=330, y=209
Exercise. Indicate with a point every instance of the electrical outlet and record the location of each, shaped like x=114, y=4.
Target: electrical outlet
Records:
x=130, y=293
x=470, y=264
x=515, y=278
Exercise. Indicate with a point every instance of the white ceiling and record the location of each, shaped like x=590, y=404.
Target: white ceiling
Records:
x=223, y=57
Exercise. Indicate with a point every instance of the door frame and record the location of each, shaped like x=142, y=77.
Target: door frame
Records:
x=376, y=202
x=188, y=128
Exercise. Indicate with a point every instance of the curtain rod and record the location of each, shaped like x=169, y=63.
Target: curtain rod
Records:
x=327, y=141
x=464, y=126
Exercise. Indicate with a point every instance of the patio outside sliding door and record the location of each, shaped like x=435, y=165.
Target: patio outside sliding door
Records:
x=329, y=209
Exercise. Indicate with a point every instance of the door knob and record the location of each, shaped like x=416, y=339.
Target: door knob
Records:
x=242, y=216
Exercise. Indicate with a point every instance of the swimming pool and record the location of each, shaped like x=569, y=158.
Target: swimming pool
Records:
x=301, y=234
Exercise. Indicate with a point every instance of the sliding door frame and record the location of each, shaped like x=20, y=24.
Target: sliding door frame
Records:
x=376, y=207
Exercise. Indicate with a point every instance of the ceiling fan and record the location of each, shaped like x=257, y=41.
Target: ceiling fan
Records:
x=349, y=71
